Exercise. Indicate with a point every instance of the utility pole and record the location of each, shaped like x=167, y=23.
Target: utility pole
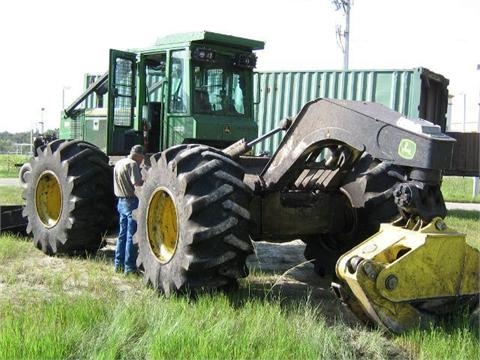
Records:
x=42, y=120
x=344, y=44
x=346, y=34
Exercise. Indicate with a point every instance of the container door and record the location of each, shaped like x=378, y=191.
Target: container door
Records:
x=433, y=98
x=121, y=102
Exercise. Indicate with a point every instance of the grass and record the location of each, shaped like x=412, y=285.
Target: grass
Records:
x=459, y=189
x=457, y=339
x=145, y=326
x=56, y=307
x=11, y=195
x=8, y=162
x=60, y=307
x=466, y=222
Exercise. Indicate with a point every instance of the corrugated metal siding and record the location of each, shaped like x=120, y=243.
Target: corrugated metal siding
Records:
x=282, y=94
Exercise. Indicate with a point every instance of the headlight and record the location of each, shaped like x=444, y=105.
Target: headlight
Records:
x=248, y=61
x=204, y=54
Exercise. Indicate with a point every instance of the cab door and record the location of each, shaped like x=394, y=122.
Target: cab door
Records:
x=121, y=102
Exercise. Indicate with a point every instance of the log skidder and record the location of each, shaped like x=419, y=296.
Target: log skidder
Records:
x=342, y=168
x=193, y=220
x=69, y=197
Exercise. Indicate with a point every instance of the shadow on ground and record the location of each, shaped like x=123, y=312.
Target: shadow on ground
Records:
x=279, y=272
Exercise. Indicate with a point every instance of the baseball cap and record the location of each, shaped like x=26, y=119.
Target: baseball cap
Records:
x=137, y=149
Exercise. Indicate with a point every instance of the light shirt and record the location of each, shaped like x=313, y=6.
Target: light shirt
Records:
x=126, y=173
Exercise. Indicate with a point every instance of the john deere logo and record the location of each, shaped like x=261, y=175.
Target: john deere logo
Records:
x=407, y=149
x=227, y=129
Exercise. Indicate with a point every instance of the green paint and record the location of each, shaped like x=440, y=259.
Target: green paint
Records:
x=184, y=89
x=407, y=149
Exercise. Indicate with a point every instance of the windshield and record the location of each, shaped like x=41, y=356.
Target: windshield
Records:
x=219, y=89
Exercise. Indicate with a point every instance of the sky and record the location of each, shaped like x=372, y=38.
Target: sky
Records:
x=48, y=46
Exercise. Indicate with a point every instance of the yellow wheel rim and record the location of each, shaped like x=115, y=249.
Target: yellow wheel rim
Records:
x=162, y=225
x=48, y=199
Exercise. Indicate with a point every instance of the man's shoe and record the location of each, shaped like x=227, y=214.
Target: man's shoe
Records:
x=133, y=273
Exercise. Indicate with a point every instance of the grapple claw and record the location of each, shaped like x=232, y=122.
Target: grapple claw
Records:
x=401, y=278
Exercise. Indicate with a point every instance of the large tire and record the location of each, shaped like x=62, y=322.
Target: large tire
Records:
x=368, y=189
x=193, y=221
x=69, y=197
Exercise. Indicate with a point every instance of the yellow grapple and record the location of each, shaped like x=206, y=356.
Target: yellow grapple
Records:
x=402, y=276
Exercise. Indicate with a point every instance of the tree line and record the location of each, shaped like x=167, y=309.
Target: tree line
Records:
x=9, y=141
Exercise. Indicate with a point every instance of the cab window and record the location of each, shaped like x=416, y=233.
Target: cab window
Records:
x=178, y=91
x=219, y=89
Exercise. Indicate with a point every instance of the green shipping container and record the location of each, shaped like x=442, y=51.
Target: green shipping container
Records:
x=416, y=93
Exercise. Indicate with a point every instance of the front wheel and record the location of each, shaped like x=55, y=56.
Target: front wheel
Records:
x=193, y=220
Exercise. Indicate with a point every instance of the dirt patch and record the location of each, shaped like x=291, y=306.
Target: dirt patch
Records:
x=287, y=274
x=281, y=270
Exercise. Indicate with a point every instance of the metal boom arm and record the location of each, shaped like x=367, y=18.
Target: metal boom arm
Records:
x=371, y=127
x=92, y=88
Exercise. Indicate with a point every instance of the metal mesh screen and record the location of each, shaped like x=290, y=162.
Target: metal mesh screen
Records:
x=124, y=92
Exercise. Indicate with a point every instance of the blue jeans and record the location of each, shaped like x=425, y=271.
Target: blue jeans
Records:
x=126, y=252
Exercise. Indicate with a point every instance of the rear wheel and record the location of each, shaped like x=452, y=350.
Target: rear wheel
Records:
x=193, y=220
x=69, y=197
x=324, y=249
x=368, y=192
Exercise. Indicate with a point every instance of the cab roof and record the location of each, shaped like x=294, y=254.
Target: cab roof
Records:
x=210, y=37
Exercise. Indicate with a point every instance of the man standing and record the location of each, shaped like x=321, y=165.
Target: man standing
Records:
x=126, y=176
